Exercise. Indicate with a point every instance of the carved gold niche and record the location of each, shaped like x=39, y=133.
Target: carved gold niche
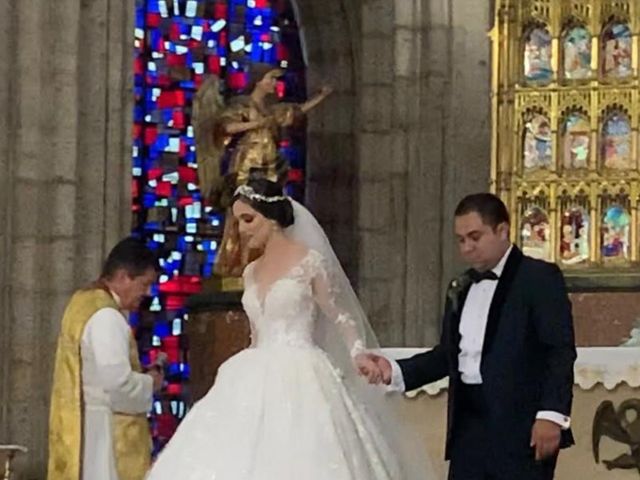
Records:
x=565, y=110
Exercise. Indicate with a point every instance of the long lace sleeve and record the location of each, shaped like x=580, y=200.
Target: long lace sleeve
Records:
x=327, y=299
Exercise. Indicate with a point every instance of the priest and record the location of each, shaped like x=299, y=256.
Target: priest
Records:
x=98, y=428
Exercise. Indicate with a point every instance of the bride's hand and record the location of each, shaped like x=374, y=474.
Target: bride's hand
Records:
x=365, y=366
x=369, y=366
x=375, y=367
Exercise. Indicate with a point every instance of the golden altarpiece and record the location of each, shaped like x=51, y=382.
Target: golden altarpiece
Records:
x=565, y=110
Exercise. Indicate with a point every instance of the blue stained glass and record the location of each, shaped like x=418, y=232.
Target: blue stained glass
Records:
x=134, y=319
x=179, y=369
x=161, y=330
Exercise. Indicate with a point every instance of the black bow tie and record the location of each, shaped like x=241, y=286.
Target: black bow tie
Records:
x=477, y=276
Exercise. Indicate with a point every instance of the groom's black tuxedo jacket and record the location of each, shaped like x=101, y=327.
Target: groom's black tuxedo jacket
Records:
x=527, y=357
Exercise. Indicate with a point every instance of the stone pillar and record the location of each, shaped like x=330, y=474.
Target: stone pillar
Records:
x=382, y=171
x=468, y=122
x=397, y=180
x=330, y=31
x=424, y=142
x=65, y=154
x=7, y=84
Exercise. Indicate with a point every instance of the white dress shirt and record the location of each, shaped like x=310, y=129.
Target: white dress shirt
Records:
x=473, y=325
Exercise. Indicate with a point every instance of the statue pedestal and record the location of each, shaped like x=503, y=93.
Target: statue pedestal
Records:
x=217, y=329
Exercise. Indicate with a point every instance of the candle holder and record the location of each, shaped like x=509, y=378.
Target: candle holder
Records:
x=7, y=454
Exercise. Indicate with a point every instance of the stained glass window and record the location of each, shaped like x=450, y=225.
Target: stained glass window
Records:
x=537, y=56
x=576, y=138
x=177, y=44
x=534, y=234
x=616, y=142
x=537, y=148
x=577, y=53
x=574, y=240
x=616, y=44
x=615, y=233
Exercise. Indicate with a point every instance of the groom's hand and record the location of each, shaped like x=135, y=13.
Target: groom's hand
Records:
x=545, y=438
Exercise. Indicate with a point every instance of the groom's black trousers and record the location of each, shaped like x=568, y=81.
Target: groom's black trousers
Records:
x=475, y=456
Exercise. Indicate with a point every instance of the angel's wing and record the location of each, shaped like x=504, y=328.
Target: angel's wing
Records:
x=208, y=104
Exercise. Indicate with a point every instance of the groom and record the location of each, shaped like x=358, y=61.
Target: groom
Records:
x=507, y=346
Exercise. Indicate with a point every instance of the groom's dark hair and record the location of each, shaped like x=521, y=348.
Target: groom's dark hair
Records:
x=490, y=208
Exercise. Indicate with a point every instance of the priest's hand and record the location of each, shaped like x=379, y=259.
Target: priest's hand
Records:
x=158, y=379
x=545, y=438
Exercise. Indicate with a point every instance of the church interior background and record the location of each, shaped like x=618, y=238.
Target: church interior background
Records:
x=536, y=100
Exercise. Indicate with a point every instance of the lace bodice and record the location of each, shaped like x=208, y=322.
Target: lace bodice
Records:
x=286, y=314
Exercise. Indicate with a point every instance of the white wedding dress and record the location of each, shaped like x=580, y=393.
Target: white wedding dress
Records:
x=281, y=410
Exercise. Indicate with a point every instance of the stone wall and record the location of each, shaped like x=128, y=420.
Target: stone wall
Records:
x=330, y=31
x=403, y=138
x=423, y=143
x=64, y=200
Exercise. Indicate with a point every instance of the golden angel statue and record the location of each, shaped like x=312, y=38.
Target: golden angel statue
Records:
x=237, y=140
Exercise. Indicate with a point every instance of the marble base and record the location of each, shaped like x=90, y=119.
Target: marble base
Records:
x=604, y=318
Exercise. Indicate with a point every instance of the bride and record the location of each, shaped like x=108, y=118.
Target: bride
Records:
x=292, y=406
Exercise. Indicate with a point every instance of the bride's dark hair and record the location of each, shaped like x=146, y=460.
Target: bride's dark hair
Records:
x=262, y=200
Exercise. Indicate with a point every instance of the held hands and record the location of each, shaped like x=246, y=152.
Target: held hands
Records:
x=545, y=434
x=376, y=368
x=545, y=438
